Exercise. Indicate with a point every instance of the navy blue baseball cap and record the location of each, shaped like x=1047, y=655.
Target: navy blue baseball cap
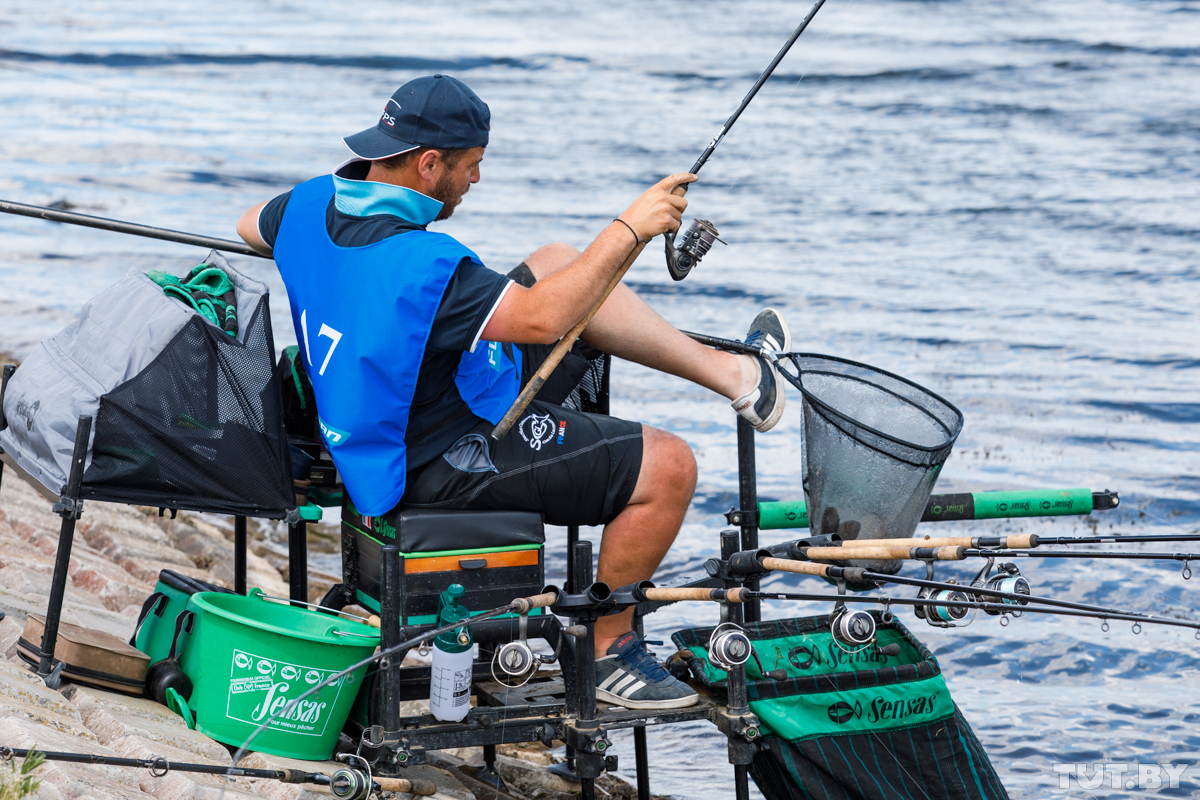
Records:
x=434, y=111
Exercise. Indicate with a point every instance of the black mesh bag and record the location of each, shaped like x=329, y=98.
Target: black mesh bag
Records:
x=200, y=428
x=874, y=444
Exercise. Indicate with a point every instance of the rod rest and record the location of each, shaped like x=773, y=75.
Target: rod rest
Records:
x=594, y=601
x=503, y=629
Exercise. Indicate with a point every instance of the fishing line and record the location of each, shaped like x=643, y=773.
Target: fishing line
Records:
x=803, y=75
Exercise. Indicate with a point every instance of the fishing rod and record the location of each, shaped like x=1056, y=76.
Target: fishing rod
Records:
x=345, y=784
x=1119, y=539
x=1009, y=585
x=996, y=608
x=120, y=226
x=701, y=235
x=696, y=243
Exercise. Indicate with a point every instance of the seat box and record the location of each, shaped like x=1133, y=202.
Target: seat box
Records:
x=495, y=555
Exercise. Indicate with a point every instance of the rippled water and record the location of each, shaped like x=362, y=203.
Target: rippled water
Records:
x=996, y=199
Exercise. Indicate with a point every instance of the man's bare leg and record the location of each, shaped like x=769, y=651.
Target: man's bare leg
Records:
x=635, y=542
x=628, y=328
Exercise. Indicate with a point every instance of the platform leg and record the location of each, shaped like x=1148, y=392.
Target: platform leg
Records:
x=4, y=376
x=298, y=561
x=490, y=775
x=642, y=762
x=748, y=502
x=69, y=508
x=389, y=635
x=239, y=555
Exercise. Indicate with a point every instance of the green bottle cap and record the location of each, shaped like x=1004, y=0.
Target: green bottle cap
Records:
x=450, y=612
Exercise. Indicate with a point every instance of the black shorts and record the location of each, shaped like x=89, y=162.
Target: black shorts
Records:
x=575, y=468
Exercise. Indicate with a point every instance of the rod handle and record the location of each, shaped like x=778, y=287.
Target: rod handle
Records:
x=417, y=786
x=734, y=595
x=886, y=553
x=524, y=605
x=940, y=541
x=1022, y=541
x=539, y=378
x=799, y=567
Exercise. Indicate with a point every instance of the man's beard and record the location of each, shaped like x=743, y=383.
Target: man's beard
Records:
x=444, y=193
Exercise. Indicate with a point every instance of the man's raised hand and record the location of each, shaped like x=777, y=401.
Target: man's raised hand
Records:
x=657, y=210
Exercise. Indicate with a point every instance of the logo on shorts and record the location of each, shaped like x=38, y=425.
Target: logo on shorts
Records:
x=537, y=430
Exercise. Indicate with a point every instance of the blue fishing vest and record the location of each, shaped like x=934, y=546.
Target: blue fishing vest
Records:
x=362, y=317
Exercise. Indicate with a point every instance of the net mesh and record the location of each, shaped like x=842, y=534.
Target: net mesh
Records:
x=874, y=444
x=201, y=428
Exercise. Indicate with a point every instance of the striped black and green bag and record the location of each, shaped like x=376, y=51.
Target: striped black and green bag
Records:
x=847, y=725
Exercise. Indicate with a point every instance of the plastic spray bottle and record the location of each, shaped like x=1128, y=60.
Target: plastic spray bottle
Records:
x=450, y=687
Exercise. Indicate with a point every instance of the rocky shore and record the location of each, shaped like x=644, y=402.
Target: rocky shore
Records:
x=117, y=555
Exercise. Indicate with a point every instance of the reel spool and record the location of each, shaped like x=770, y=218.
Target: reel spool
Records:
x=945, y=616
x=696, y=243
x=852, y=628
x=1009, y=580
x=516, y=660
x=728, y=648
x=351, y=783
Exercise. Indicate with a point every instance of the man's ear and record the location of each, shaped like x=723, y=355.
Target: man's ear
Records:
x=429, y=166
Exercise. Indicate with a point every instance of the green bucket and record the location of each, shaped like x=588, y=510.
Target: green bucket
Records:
x=249, y=657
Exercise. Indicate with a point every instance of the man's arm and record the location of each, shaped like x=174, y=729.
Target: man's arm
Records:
x=544, y=313
x=247, y=228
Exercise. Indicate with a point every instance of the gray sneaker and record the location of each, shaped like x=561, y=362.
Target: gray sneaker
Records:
x=763, y=405
x=630, y=676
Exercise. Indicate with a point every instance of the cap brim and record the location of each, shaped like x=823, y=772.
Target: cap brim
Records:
x=373, y=144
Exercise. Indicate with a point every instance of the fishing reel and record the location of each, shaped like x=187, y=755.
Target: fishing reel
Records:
x=1008, y=579
x=349, y=782
x=852, y=629
x=696, y=243
x=728, y=646
x=516, y=661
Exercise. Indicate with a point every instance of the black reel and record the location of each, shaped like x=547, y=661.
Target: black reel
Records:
x=696, y=243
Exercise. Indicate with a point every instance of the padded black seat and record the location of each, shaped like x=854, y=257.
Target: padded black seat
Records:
x=495, y=555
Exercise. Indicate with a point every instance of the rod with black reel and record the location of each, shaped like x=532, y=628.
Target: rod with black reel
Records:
x=347, y=783
x=1013, y=595
x=700, y=236
x=998, y=608
x=680, y=261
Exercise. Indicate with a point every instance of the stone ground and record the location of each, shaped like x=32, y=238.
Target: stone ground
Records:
x=117, y=554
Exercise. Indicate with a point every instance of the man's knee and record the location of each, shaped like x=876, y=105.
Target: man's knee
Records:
x=668, y=464
x=550, y=258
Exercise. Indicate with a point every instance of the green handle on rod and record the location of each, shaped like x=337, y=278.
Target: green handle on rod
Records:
x=967, y=505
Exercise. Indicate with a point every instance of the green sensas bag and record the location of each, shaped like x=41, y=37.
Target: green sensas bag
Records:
x=849, y=722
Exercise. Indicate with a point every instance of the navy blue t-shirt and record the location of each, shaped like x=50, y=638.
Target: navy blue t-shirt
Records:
x=438, y=416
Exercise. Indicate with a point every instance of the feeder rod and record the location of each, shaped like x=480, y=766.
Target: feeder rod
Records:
x=1020, y=541
x=1067, y=540
x=967, y=506
x=716, y=140
x=1020, y=599
x=975, y=553
x=119, y=226
x=998, y=607
x=886, y=553
x=160, y=764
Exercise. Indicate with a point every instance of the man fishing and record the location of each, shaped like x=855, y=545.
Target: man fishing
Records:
x=416, y=349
